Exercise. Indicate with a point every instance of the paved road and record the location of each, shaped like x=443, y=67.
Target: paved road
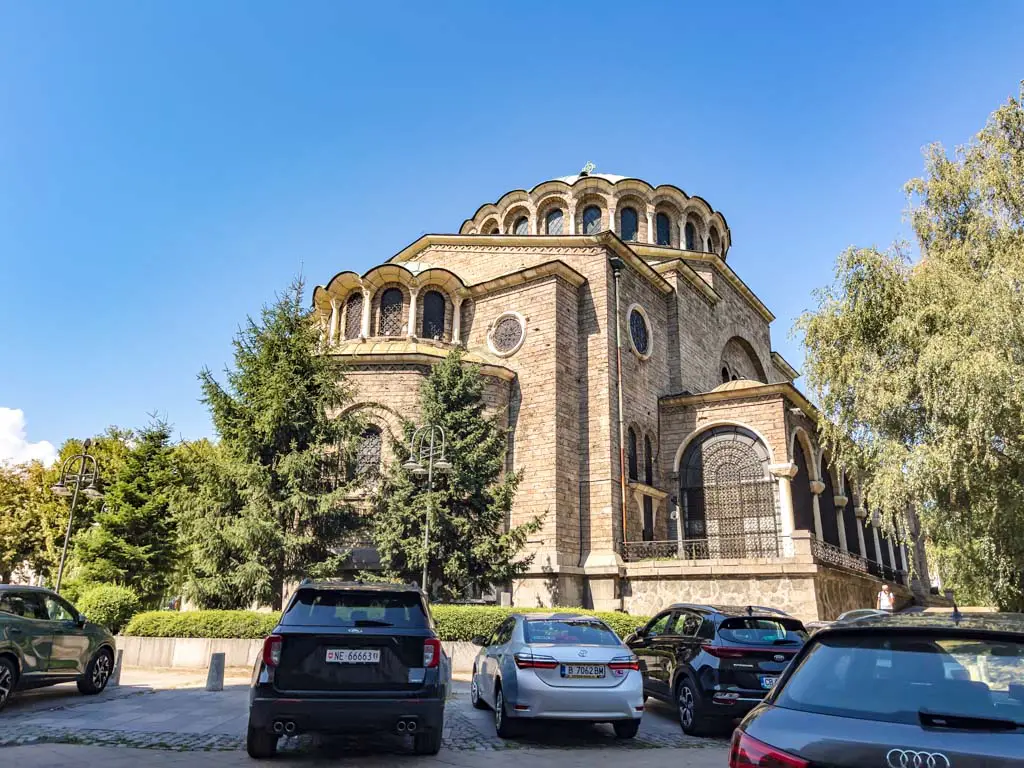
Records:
x=169, y=715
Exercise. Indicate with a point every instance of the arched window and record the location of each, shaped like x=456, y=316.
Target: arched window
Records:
x=354, y=315
x=628, y=229
x=591, y=220
x=433, y=316
x=553, y=222
x=664, y=227
x=365, y=468
x=390, y=323
x=707, y=246
x=631, y=453
x=714, y=242
x=725, y=376
x=690, y=233
x=521, y=227
x=648, y=461
x=727, y=497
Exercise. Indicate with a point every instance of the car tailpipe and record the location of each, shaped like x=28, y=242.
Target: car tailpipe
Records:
x=411, y=727
x=401, y=726
x=406, y=725
x=278, y=727
x=289, y=727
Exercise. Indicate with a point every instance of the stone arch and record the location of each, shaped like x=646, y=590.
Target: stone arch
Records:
x=806, y=473
x=545, y=208
x=702, y=428
x=715, y=240
x=727, y=494
x=513, y=215
x=695, y=221
x=666, y=207
x=490, y=226
x=638, y=204
x=582, y=203
x=392, y=323
x=827, y=505
x=742, y=360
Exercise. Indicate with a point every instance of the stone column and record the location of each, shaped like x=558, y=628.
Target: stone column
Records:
x=457, y=320
x=572, y=220
x=903, y=557
x=364, y=330
x=861, y=515
x=816, y=489
x=332, y=329
x=840, y=502
x=892, y=553
x=878, y=542
x=611, y=218
x=413, y=296
x=784, y=473
x=651, y=238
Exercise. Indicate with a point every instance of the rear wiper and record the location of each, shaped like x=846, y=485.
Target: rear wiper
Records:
x=966, y=722
x=371, y=623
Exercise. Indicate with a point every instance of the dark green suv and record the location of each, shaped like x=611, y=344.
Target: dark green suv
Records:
x=45, y=641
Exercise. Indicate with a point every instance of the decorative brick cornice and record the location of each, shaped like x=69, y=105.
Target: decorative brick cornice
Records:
x=780, y=362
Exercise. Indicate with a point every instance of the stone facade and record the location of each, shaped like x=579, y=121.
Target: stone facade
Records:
x=713, y=453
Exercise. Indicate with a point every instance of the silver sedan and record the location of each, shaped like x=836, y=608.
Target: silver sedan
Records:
x=558, y=666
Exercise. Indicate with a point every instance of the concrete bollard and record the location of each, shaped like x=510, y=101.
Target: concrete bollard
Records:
x=115, y=675
x=215, y=677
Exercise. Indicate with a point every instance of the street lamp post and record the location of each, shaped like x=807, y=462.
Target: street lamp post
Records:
x=88, y=474
x=428, y=445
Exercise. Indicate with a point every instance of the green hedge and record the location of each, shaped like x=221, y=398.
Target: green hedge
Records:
x=249, y=625
x=454, y=622
x=109, y=604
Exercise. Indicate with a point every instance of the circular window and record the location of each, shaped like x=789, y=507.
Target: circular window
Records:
x=507, y=334
x=639, y=331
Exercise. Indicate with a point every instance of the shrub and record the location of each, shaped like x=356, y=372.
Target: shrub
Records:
x=109, y=605
x=454, y=622
x=250, y=625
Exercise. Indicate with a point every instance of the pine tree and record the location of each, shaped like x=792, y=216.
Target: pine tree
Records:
x=132, y=538
x=469, y=543
x=284, y=447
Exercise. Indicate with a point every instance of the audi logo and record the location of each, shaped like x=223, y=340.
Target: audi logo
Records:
x=909, y=758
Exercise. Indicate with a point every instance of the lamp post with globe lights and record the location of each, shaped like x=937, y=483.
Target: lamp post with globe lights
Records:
x=86, y=479
x=428, y=447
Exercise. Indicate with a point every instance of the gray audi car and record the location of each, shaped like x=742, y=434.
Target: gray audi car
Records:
x=905, y=691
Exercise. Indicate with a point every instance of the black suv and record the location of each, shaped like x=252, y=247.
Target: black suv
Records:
x=350, y=658
x=716, y=663
x=907, y=691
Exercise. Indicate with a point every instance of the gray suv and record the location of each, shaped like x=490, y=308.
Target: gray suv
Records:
x=906, y=691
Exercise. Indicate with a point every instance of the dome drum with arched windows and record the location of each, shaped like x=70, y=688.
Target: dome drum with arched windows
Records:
x=572, y=297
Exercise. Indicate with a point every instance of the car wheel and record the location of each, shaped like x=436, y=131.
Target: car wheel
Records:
x=502, y=724
x=260, y=744
x=427, y=742
x=691, y=713
x=474, y=695
x=626, y=729
x=8, y=679
x=97, y=673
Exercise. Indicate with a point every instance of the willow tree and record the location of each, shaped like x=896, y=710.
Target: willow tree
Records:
x=921, y=362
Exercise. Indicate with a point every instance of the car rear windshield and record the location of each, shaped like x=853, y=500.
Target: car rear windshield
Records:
x=353, y=608
x=569, y=632
x=908, y=678
x=760, y=630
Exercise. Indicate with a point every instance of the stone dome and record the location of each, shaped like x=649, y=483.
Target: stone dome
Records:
x=588, y=203
x=731, y=386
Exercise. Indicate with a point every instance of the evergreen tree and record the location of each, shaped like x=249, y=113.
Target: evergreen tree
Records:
x=131, y=540
x=469, y=543
x=283, y=450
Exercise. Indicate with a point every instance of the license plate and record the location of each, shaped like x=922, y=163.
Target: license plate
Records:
x=583, y=670
x=768, y=682
x=352, y=656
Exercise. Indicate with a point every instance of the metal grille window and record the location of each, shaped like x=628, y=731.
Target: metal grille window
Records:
x=664, y=227
x=591, y=220
x=507, y=334
x=354, y=315
x=628, y=226
x=433, y=316
x=390, y=313
x=690, y=232
x=366, y=465
x=727, y=495
x=553, y=222
x=521, y=227
x=639, y=332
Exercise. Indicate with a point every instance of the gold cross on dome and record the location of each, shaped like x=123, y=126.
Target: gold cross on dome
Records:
x=587, y=168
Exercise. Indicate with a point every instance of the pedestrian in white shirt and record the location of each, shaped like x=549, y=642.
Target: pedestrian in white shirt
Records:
x=885, y=599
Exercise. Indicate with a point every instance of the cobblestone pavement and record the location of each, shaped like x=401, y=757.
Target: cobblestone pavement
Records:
x=192, y=719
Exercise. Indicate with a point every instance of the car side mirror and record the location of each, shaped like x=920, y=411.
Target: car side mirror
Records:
x=478, y=640
x=639, y=631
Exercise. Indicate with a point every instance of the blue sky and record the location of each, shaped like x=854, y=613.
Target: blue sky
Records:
x=166, y=167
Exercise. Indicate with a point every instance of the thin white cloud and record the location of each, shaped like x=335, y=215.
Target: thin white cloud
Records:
x=14, y=445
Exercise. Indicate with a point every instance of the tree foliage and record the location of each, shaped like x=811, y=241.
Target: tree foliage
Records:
x=922, y=363
x=469, y=508
x=276, y=508
x=132, y=540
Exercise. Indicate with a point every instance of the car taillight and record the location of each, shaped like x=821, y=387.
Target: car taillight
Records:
x=624, y=662
x=272, y=650
x=748, y=752
x=431, y=652
x=531, y=661
x=721, y=652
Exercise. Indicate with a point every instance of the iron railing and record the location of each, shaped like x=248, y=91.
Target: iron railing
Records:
x=831, y=555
